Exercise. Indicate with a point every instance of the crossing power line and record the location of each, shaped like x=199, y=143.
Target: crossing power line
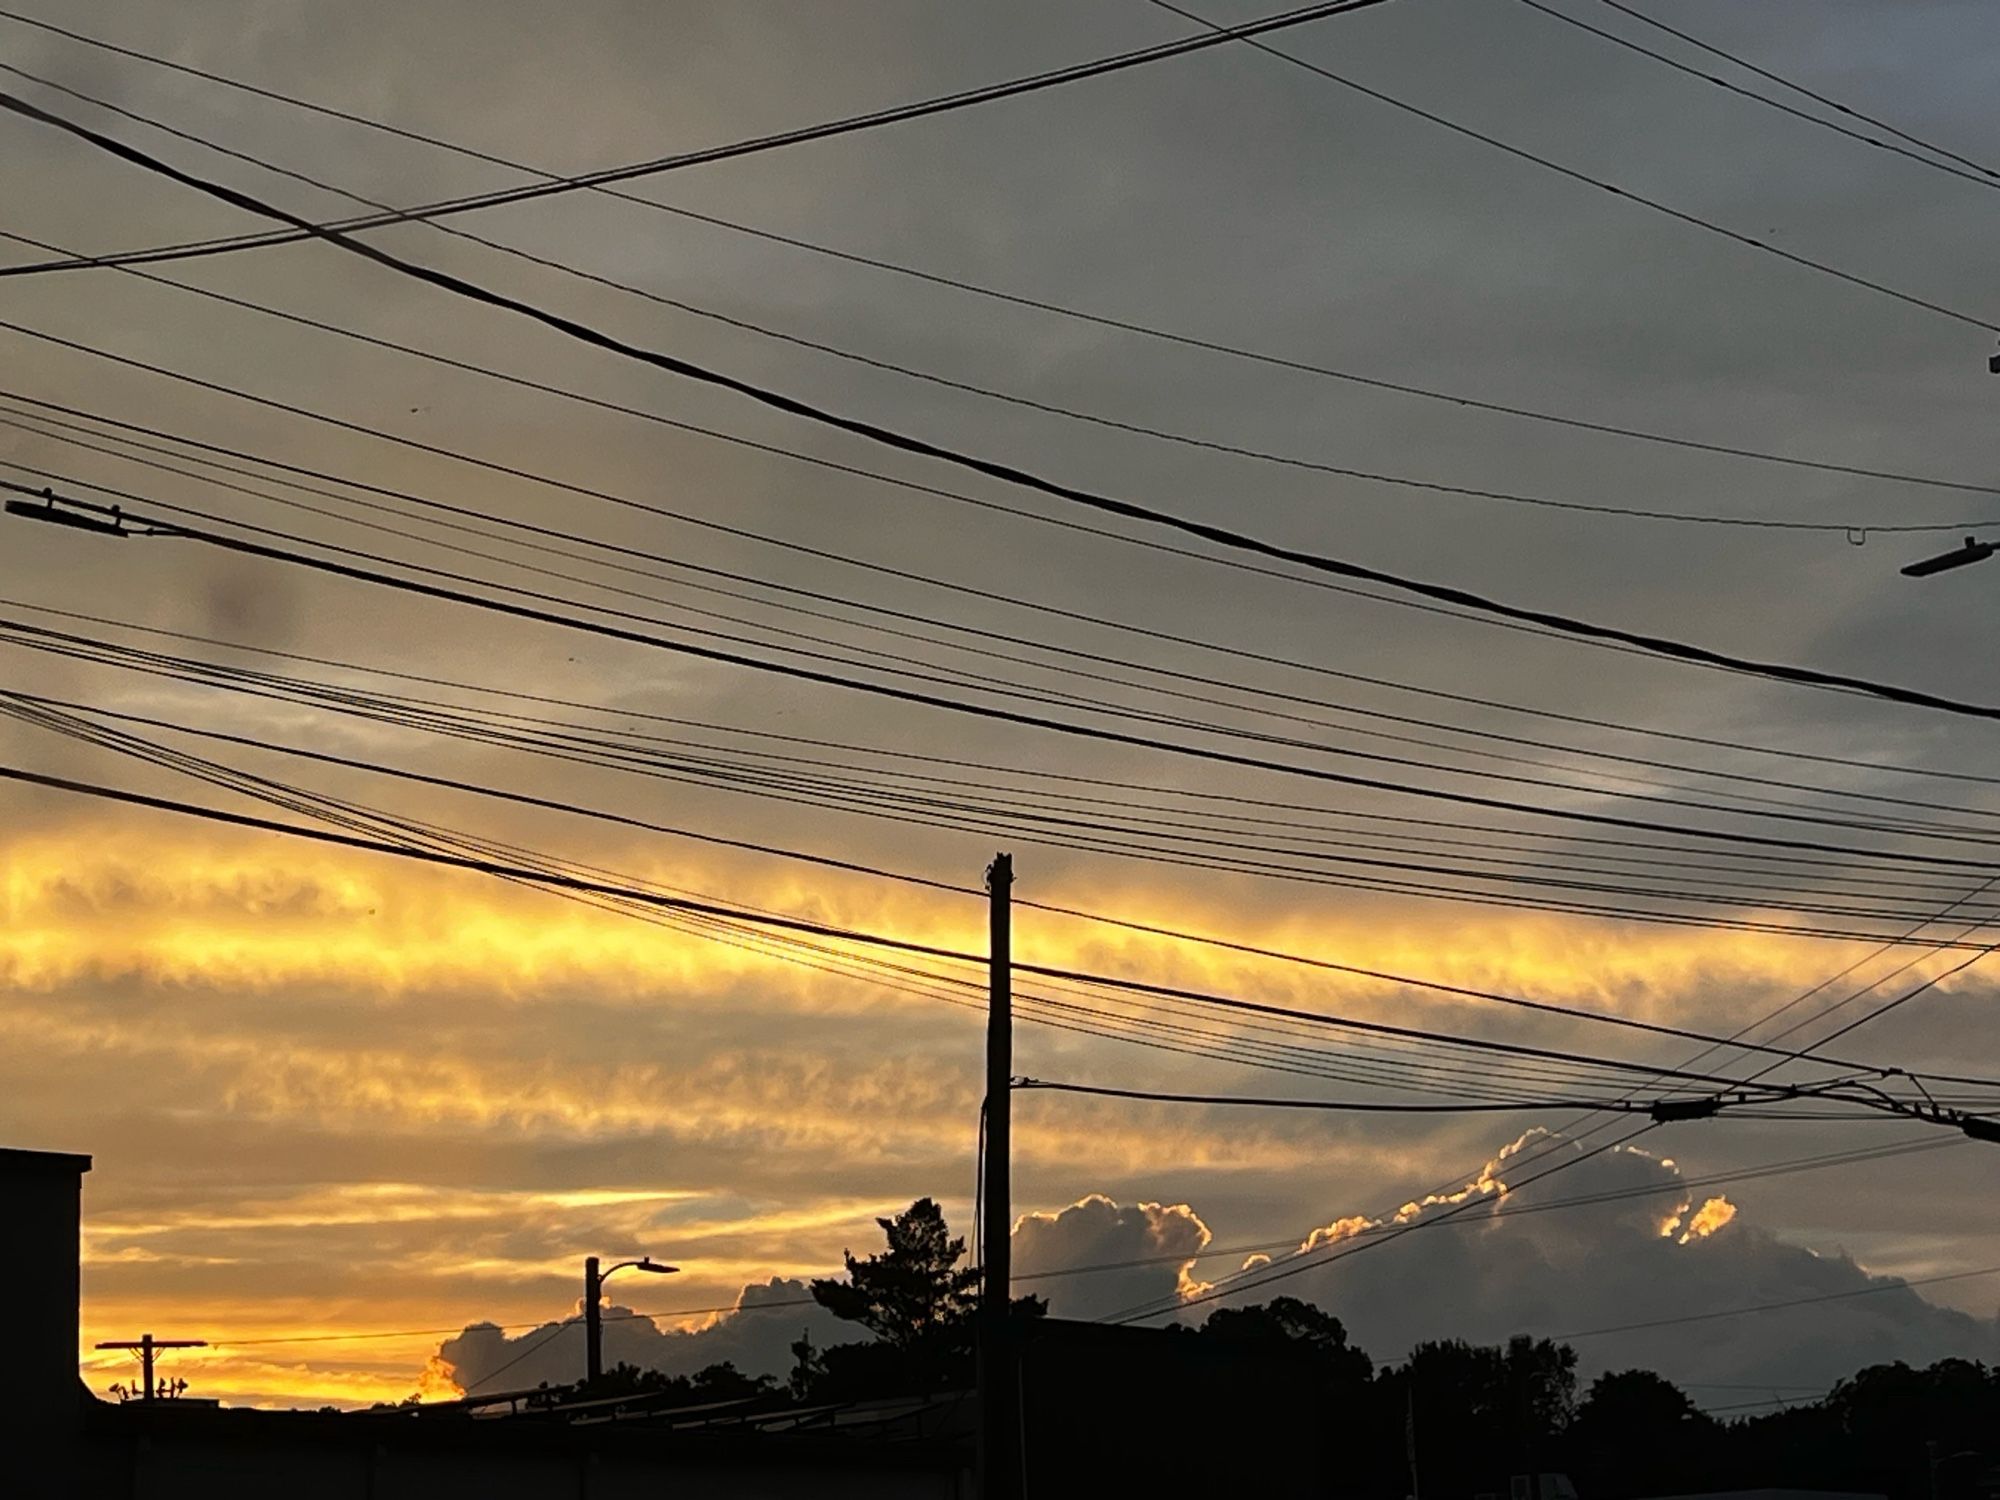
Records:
x=806, y=752
x=1206, y=1252
x=796, y=925
x=1092, y=698
x=292, y=475
x=1794, y=86
x=449, y=593
x=1130, y=510
x=1616, y=190
x=826, y=130
x=1097, y=318
x=1295, y=461
x=1928, y=156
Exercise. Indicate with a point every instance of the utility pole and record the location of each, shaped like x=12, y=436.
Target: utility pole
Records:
x=147, y=1346
x=1410, y=1437
x=999, y=1387
x=593, y=1320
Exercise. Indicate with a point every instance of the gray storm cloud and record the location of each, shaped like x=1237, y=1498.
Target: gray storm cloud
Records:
x=1517, y=1261
x=1496, y=1270
x=1096, y=1231
x=756, y=1337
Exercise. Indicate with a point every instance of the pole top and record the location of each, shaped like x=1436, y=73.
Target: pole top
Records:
x=147, y=1341
x=1000, y=873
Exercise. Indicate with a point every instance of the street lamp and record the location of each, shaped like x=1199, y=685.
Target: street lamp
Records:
x=1973, y=551
x=593, y=1292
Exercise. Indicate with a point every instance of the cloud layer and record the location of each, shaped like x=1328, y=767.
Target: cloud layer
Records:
x=1662, y=1276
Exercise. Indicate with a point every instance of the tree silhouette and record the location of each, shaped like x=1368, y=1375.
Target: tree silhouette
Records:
x=1636, y=1432
x=912, y=1292
x=916, y=1299
x=1287, y=1323
x=1503, y=1409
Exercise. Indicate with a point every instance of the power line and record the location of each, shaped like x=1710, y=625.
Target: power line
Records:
x=788, y=924
x=1251, y=1054
x=1296, y=461
x=1762, y=1307
x=1508, y=1208
x=1799, y=999
x=338, y=812
x=1205, y=1252
x=552, y=804
x=1007, y=473
x=1099, y=319
x=1693, y=220
x=454, y=784
x=1151, y=852
x=1801, y=89
x=1015, y=601
x=1775, y=1403
x=989, y=711
x=429, y=721
x=1013, y=688
x=1150, y=544
x=1379, y=1028
x=363, y=820
x=1338, y=1106
x=1736, y=1040
x=849, y=125
x=484, y=867
x=1233, y=1284
x=1002, y=684
x=1978, y=176
x=344, y=700
x=525, y=1351
x=1309, y=1260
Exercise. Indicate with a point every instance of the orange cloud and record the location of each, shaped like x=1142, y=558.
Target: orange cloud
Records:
x=1710, y=1217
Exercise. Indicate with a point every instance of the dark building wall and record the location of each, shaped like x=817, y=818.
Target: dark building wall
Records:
x=41, y=1199
x=1138, y=1411
x=257, y=1456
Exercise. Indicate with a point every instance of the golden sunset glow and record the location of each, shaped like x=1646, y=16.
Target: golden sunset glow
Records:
x=435, y=957
x=1711, y=1216
x=174, y=912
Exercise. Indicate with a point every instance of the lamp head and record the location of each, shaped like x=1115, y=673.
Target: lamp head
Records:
x=1973, y=551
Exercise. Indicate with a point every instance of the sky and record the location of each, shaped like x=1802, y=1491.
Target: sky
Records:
x=331, y=1093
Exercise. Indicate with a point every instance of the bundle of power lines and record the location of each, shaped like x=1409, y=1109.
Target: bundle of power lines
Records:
x=1671, y=828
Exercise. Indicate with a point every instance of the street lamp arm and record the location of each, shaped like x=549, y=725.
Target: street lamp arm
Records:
x=643, y=1263
x=593, y=1318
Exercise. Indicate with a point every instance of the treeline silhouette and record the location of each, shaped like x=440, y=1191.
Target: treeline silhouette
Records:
x=1451, y=1421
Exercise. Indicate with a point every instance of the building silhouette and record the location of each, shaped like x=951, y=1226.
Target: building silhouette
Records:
x=1105, y=1411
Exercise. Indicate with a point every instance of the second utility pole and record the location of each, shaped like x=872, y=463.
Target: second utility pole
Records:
x=999, y=1381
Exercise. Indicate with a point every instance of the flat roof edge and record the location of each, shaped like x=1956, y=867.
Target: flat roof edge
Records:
x=15, y=1160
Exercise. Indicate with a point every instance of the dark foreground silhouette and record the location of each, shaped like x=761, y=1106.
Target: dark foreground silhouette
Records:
x=1452, y=1420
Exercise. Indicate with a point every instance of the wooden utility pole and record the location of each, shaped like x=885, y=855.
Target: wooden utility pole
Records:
x=593, y=1321
x=999, y=1385
x=147, y=1345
